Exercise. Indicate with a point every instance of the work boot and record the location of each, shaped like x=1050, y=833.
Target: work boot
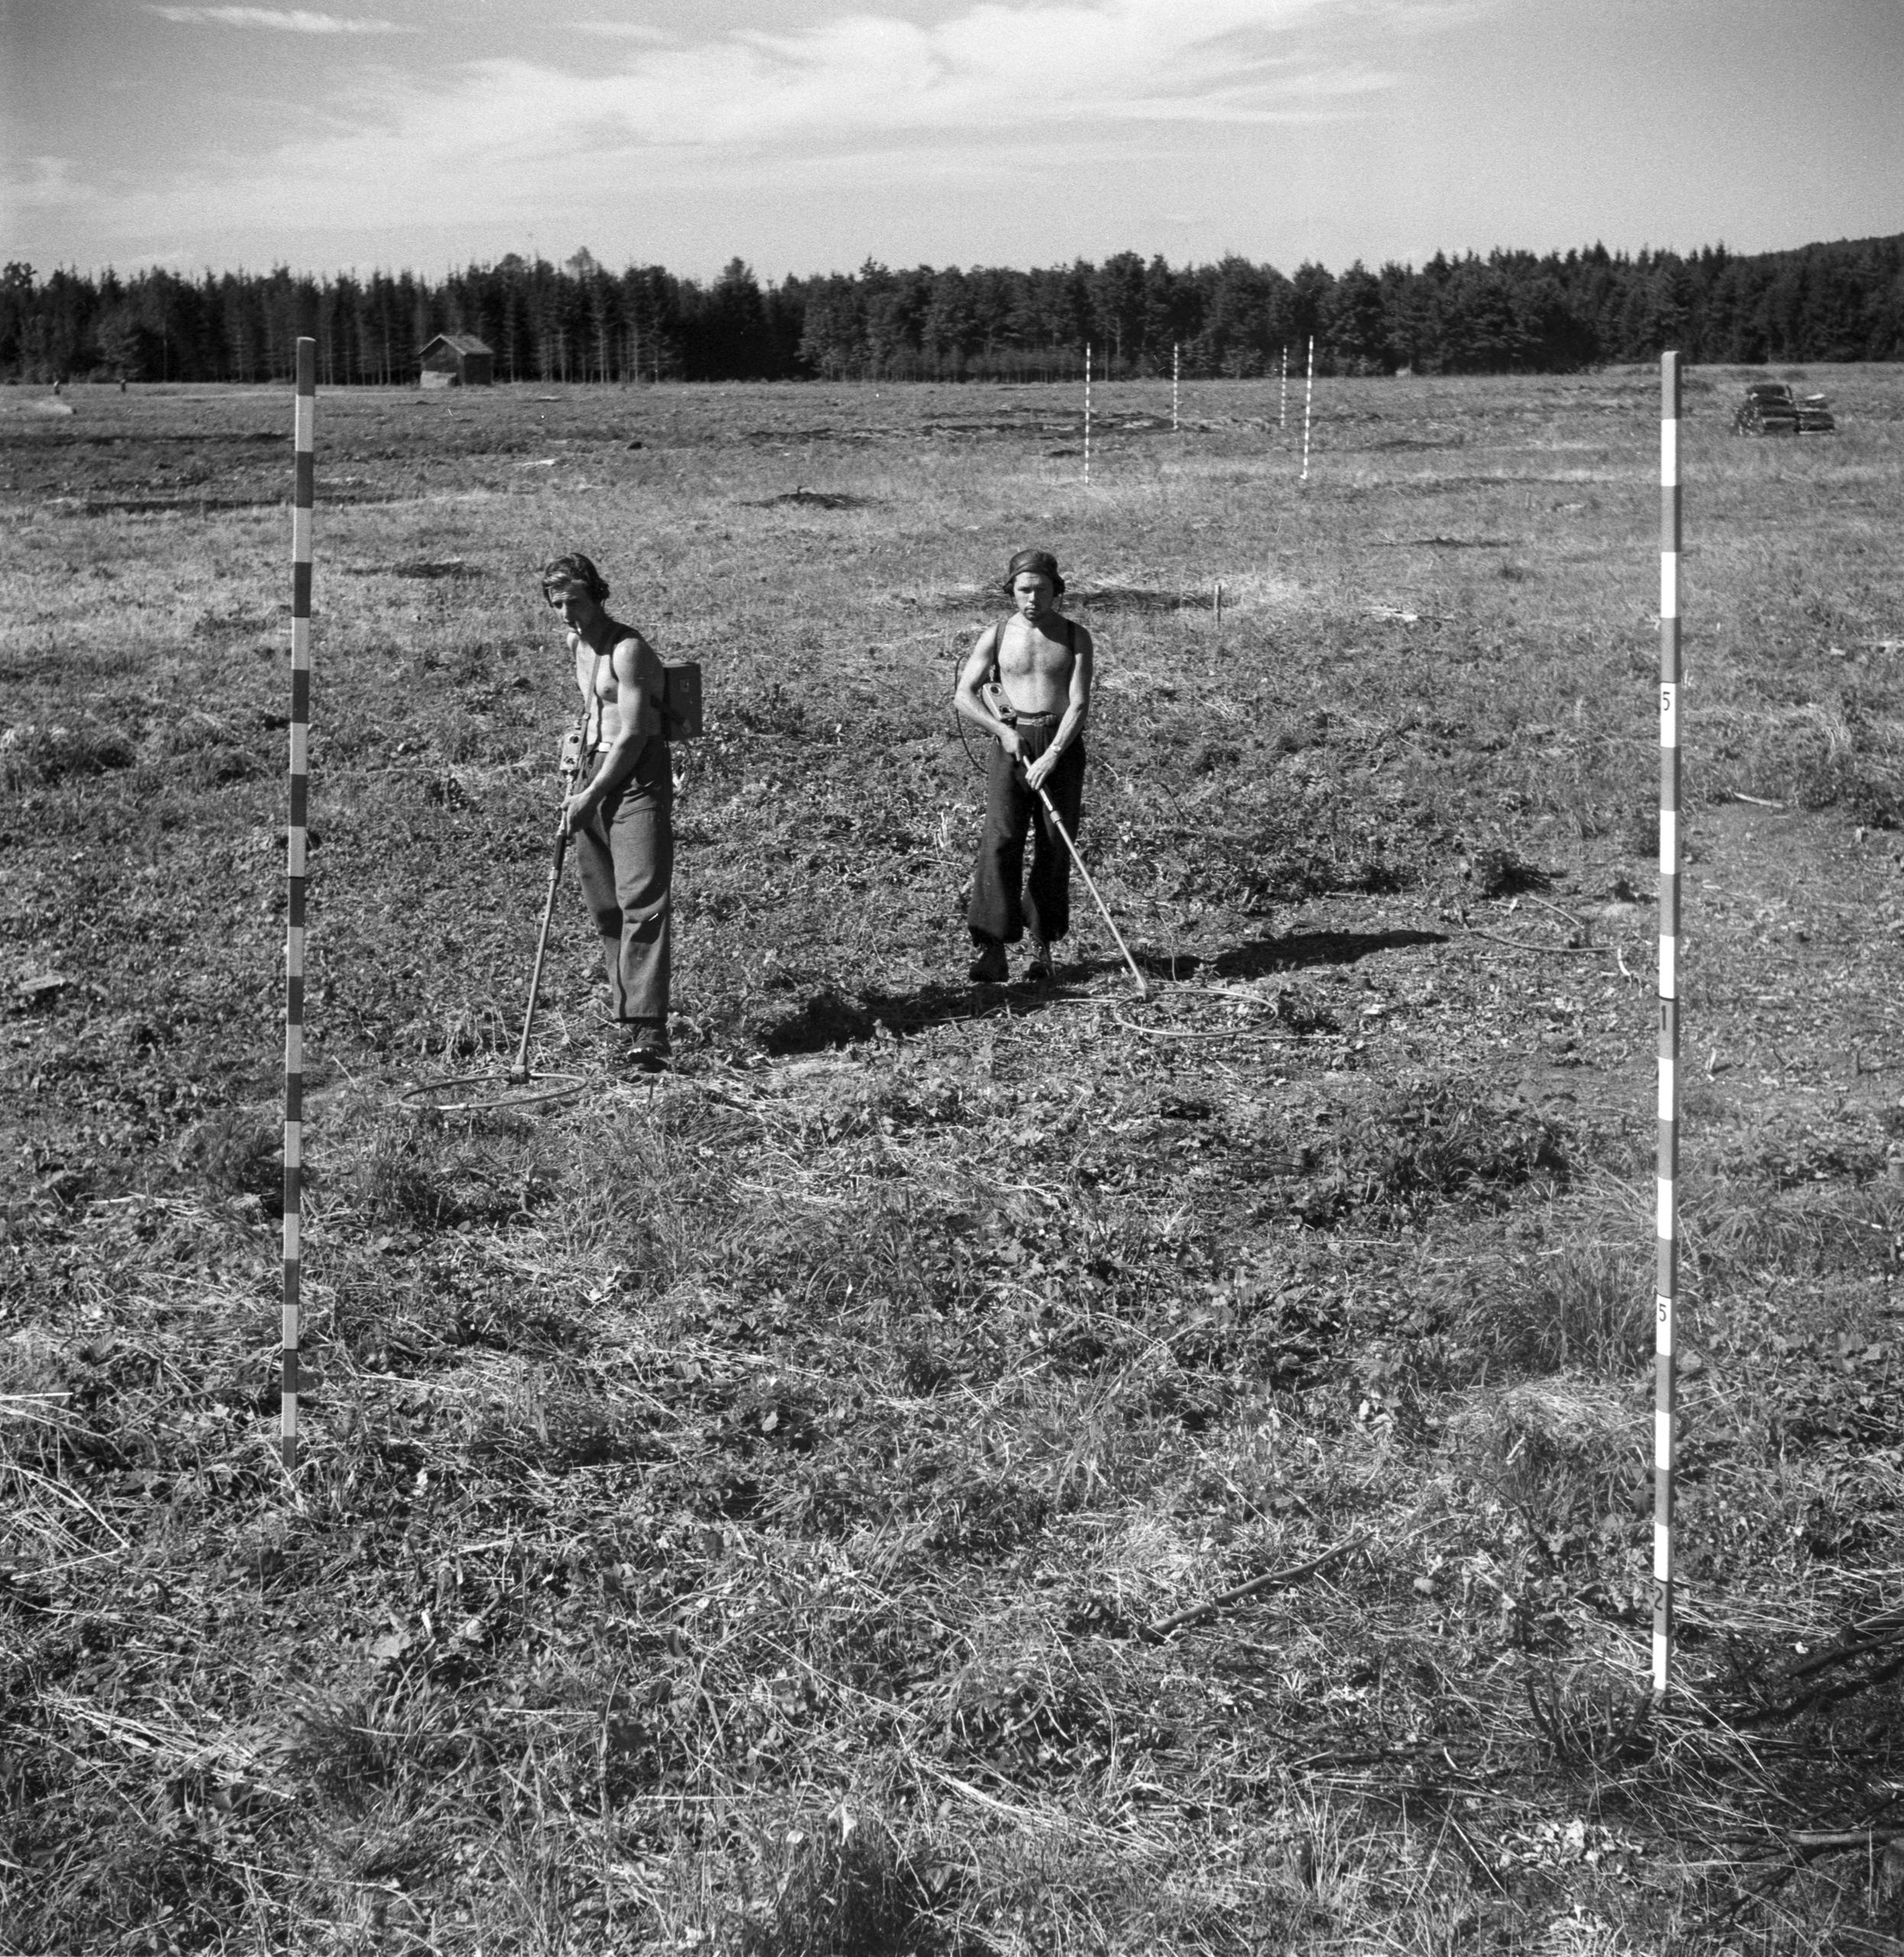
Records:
x=989, y=968
x=1040, y=970
x=646, y=1050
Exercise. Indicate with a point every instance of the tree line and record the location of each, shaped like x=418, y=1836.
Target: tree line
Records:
x=1509, y=312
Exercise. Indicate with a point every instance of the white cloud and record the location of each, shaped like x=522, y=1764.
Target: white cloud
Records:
x=294, y=21
x=1010, y=76
x=621, y=30
x=993, y=66
x=861, y=97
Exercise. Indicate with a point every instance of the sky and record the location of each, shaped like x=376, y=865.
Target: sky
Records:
x=808, y=136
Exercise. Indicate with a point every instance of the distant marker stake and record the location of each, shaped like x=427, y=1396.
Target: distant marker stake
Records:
x=1665, y=1385
x=1308, y=402
x=1087, y=410
x=302, y=496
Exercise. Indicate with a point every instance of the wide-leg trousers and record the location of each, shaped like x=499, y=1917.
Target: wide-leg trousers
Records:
x=1005, y=903
x=625, y=854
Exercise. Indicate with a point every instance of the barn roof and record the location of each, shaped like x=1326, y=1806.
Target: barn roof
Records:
x=457, y=343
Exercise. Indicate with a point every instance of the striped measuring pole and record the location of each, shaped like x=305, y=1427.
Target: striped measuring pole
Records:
x=1087, y=410
x=302, y=498
x=1308, y=402
x=1665, y=1388
x=1176, y=381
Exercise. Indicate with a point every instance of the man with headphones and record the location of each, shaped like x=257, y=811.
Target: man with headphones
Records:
x=621, y=816
x=1027, y=683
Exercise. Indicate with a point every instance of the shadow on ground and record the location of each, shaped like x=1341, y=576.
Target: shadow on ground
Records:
x=827, y=1018
x=1257, y=956
x=830, y=1018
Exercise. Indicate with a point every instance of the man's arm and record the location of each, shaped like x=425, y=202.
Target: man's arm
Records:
x=638, y=721
x=973, y=674
x=1077, y=709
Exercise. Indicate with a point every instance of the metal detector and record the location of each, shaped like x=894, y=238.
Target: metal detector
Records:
x=471, y=1094
x=1103, y=909
x=994, y=695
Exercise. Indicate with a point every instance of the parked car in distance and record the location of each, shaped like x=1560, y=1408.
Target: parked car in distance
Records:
x=1768, y=409
x=1771, y=408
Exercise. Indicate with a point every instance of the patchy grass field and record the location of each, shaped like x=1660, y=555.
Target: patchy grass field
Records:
x=765, y=1513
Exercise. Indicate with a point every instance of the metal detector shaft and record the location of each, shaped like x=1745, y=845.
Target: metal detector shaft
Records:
x=1103, y=909
x=571, y=767
x=520, y=1070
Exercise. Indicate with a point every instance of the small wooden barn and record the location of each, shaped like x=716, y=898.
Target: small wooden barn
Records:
x=457, y=360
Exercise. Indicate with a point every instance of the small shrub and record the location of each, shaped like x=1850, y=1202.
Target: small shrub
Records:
x=1500, y=871
x=1588, y=1309
x=218, y=766
x=238, y=1152
x=30, y=755
x=1870, y=793
x=426, y=1175
x=1396, y=1157
x=1812, y=1227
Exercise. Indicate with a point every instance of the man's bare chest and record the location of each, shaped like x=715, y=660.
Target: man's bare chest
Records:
x=594, y=671
x=1026, y=653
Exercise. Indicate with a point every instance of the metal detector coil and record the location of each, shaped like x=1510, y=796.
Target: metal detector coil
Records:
x=469, y=1095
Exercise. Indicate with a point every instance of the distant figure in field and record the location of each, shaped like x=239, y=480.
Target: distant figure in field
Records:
x=1027, y=683
x=621, y=816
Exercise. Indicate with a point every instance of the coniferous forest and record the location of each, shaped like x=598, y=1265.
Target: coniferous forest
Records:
x=1511, y=312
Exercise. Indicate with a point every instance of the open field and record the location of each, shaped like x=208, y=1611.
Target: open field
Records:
x=747, y=1513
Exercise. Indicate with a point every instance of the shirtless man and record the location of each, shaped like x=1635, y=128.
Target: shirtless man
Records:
x=1040, y=661
x=621, y=818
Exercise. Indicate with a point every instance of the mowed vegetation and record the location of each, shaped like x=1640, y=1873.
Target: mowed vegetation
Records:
x=766, y=1511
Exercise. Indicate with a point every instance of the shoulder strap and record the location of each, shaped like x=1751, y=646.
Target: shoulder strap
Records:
x=592, y=737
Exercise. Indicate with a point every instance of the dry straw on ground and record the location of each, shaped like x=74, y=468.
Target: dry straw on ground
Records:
x=949, y=1471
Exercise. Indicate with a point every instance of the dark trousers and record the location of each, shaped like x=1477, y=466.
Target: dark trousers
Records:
x=999, y=912
x=625, y=854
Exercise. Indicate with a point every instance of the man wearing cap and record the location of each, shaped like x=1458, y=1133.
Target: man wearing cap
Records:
x=621, y=817
x=1027, y=683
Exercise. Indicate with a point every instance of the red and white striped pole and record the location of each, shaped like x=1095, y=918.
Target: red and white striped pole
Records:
x=302, y=497
x=1665, y=1390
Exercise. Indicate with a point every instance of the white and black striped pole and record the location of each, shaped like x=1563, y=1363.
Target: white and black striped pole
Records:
x=1665, y=1388
x=301, y=499
x=1176, y=381
x=1087, y=410
x=1308, y=402
x=1282, y=403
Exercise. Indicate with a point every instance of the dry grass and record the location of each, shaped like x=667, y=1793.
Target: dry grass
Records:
x=742, y=1515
